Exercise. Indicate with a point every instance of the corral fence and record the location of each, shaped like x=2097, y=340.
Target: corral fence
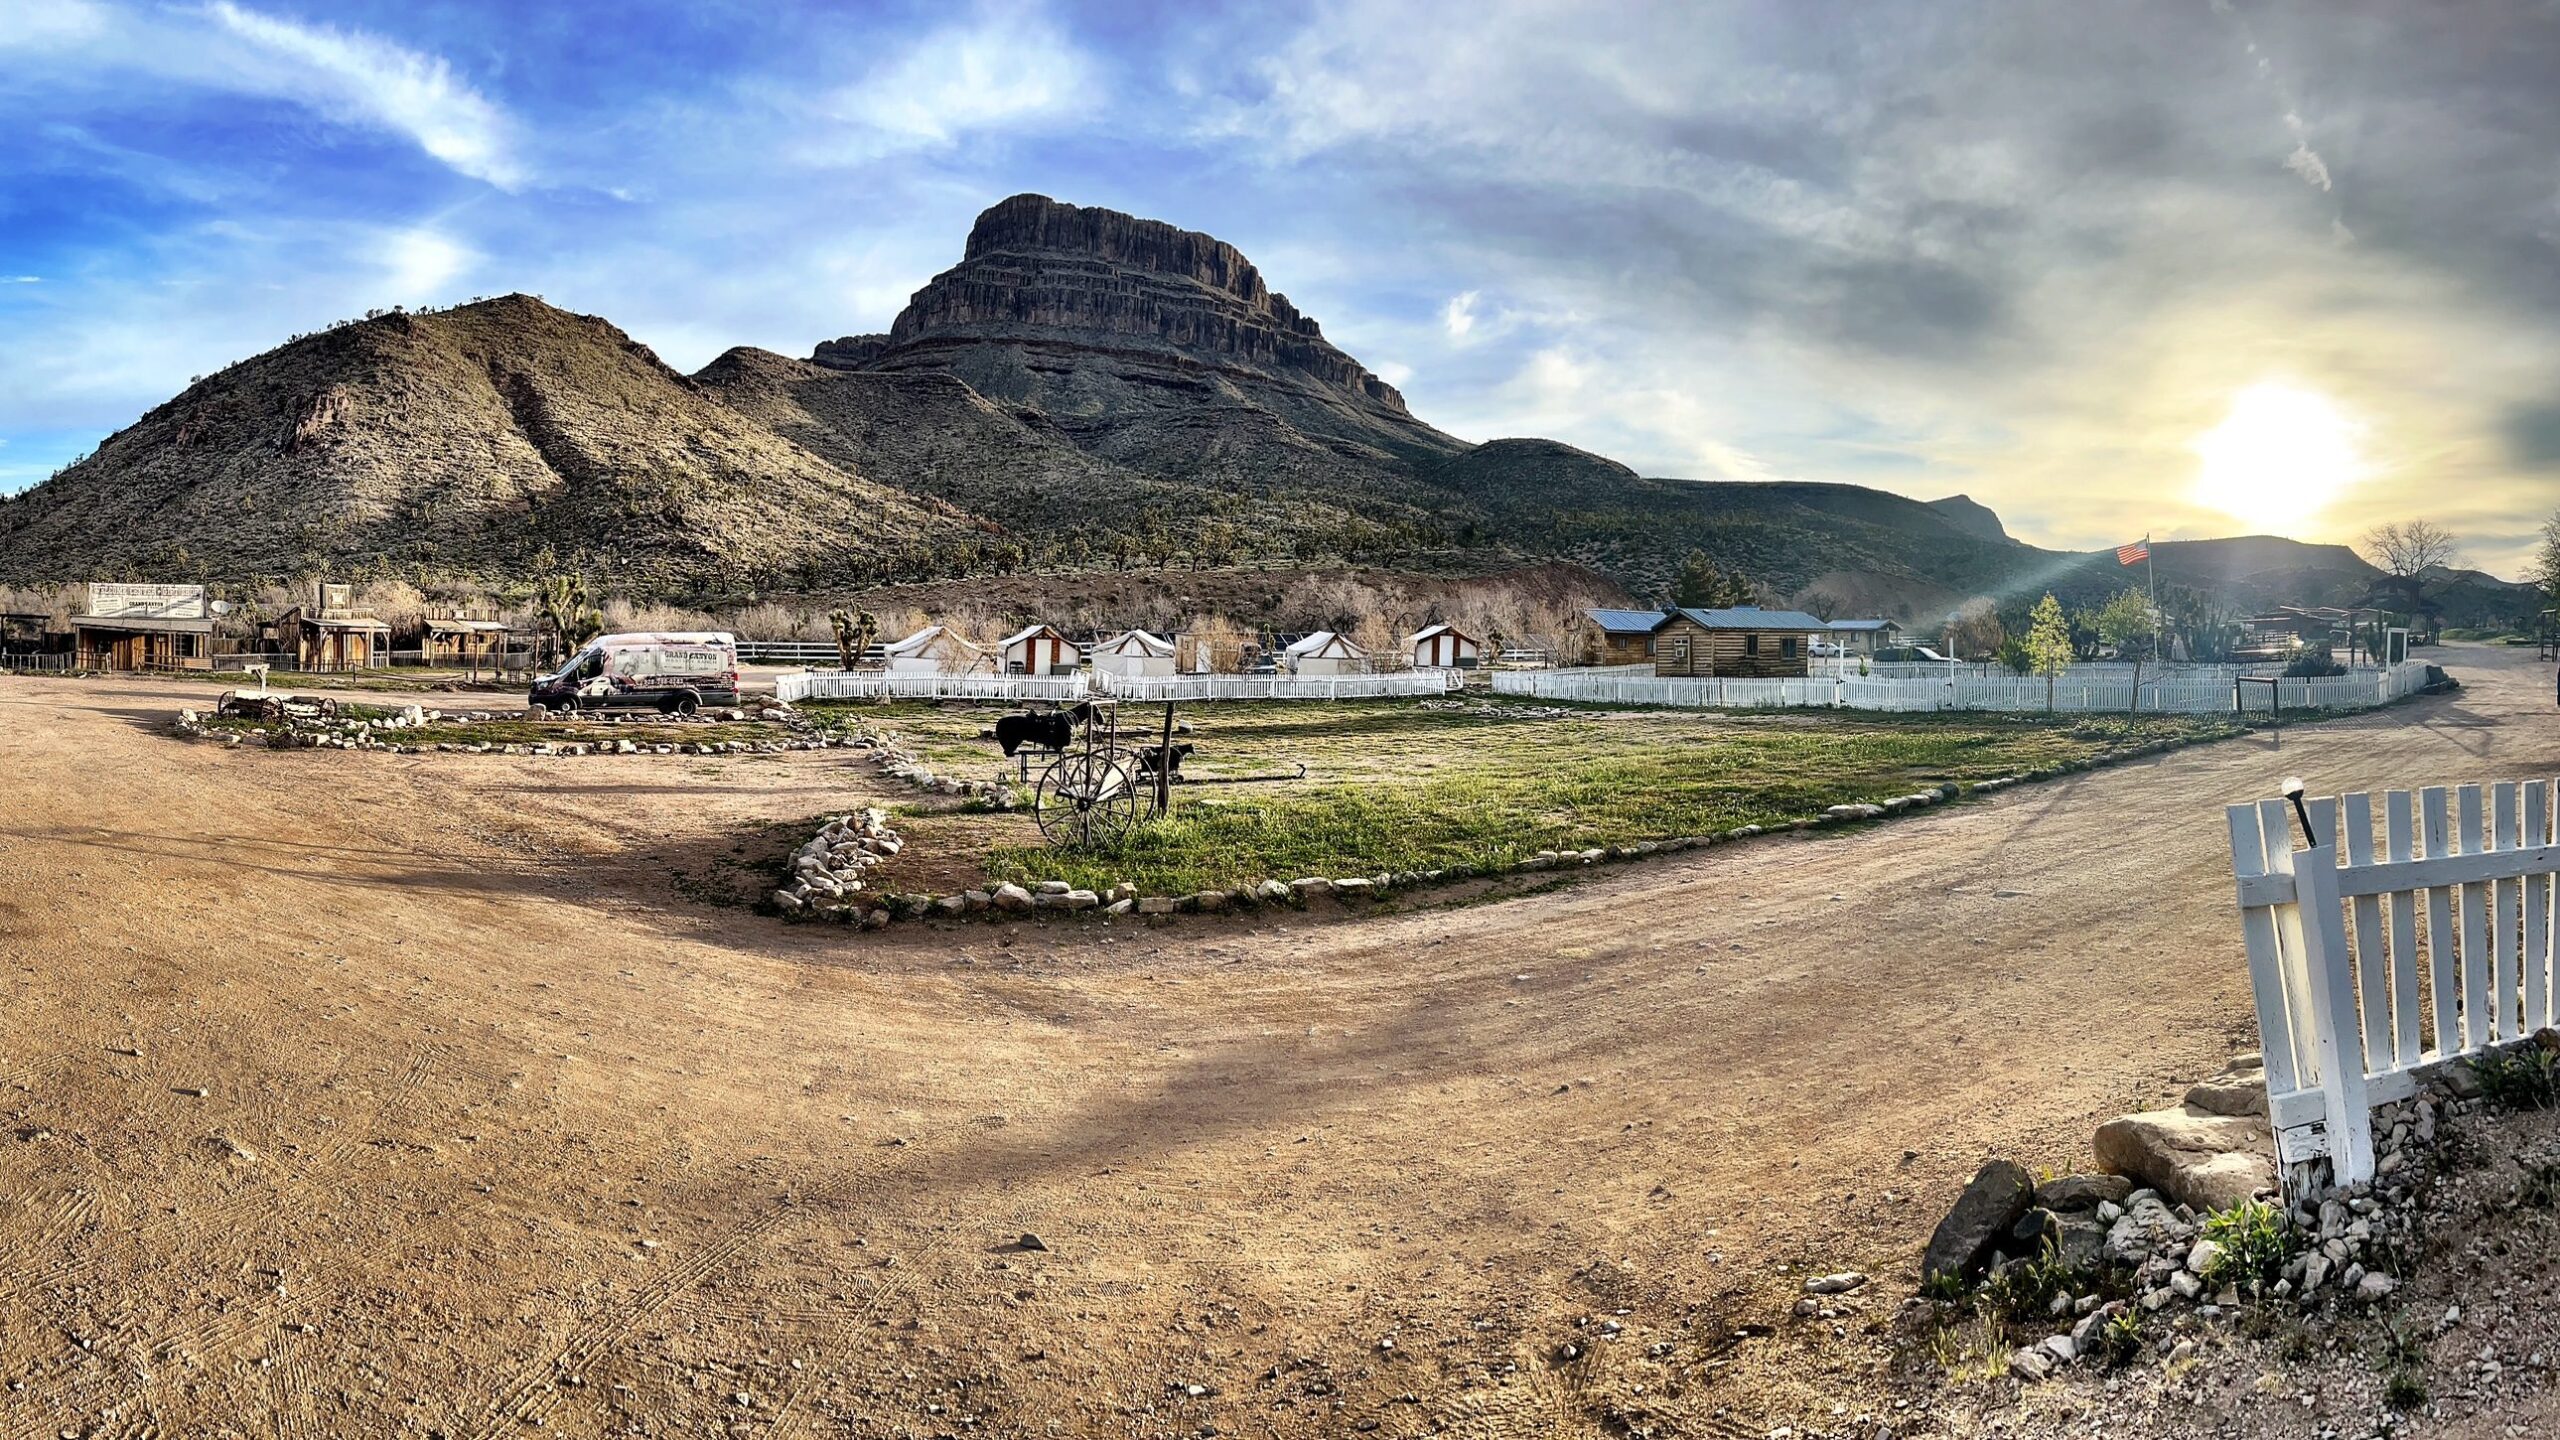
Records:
x=2165, y=692
x=35, y=663
x=2370, y=966
x=858, y=685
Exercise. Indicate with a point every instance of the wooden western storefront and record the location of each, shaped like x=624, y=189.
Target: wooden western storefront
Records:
x=132, y=643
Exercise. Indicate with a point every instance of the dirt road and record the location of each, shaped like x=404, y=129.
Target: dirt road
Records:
x=359, y=1094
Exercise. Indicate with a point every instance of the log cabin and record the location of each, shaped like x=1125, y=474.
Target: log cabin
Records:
x=1738, y=641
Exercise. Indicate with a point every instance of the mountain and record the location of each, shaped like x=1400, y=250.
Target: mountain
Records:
x=466, y=440
x=1155, y=348
x=1083, y=391
x=1973, y=517
x=2256, y=572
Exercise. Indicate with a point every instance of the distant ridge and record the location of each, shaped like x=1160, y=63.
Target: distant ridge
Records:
x=1084, y=390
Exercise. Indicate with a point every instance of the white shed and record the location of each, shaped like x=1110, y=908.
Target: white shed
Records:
x=1325, y=653
x=1444, y=647
x=1133, y=652
x=1039, y=650
x=934, y=650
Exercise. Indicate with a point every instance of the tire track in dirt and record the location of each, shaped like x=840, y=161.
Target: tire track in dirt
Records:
x=536, y=1391
x=220, y=1218
x=235, y=1329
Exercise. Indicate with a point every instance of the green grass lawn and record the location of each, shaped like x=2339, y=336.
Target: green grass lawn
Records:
x=1399, y=785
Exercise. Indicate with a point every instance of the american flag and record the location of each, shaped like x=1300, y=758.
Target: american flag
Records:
x=2135, y=553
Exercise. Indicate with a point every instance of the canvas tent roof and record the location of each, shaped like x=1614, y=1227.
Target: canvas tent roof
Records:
x=1427, y=631
x=1136, y=641
x=923, y=640
x=1321, y=641
x=1025, y=633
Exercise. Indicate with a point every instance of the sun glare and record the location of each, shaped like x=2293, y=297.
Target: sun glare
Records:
x=2280, y=456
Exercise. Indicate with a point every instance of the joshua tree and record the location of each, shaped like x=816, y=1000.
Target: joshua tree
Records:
x=567, y=609
x=846, y=646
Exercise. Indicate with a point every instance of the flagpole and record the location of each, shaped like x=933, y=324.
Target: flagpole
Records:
x=2151, y=578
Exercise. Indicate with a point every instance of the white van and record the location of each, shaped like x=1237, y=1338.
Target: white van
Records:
x=679, y=672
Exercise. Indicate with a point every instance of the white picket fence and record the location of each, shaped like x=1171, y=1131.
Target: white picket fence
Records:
x=857, y=685
x=2167, y=692
x=1281, y=687
x=840, y=685
x=2370, y=966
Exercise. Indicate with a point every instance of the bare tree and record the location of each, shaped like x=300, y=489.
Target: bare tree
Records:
x=2407, y=552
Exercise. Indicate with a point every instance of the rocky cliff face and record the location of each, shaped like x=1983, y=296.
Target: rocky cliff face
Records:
x=1108, y=324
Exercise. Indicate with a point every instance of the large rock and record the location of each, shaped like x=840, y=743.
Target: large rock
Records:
x=2201, y=1160
x=2237, y=1092
x=1979, y=1222
x=2083, y=1192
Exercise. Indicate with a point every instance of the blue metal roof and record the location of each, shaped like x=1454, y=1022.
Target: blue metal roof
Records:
x=1637, y=622
x=1752, y=617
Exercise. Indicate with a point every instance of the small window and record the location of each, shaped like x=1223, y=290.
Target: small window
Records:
x=1750, y=644
x=1787, y=648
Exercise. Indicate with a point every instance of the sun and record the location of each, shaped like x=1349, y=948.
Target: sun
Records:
x=2279, y=457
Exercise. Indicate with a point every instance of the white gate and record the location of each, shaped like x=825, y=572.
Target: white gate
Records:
x=2369, y=967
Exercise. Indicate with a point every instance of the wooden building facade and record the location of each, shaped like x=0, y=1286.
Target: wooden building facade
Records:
x=1743, y=641
x=1616, y=637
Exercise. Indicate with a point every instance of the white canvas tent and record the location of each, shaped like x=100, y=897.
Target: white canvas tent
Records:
x=1039, y=650
x=1133, y=652
x=934, y=650
x=1443, y=647
x=1325, y=653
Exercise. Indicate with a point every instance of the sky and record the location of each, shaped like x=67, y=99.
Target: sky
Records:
x=2177, y=269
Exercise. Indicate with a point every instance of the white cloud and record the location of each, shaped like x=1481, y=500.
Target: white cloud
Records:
x=418, y=264
x=49, y=24
x=26, y=279
x=347, y=76
x=362, y=79
x=1459, y=316
x=2306, y=162
x=1005, y=65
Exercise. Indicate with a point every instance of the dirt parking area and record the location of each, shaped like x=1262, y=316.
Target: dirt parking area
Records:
x=362, y=1094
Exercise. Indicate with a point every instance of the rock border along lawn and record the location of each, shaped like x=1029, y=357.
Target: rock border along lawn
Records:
x=877, y=909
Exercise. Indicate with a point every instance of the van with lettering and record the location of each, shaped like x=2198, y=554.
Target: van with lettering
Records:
x=677, y=672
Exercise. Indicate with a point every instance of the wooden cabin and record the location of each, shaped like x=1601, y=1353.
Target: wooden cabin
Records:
x=1038, y=650
x=1134, y=652
x=1444, y=647
x=311, y=639
x=1862, y=637
x=1325, y=653
x=456, y=640
x=935, y=650
x=1738, y=641
x=1616, y=637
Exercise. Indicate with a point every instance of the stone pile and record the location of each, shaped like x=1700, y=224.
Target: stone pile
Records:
x=827, y=874
x=2143, y=1228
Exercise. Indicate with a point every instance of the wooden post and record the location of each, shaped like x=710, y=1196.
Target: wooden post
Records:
x=1164, y=763
x=2333, y=999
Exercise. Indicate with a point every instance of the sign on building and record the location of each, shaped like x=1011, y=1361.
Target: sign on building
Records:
x=336, y=598
x=147, y=602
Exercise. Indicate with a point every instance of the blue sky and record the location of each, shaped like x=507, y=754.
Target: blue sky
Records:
x=2029, y=252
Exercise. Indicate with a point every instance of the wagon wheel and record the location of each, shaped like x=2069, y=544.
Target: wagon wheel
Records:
x=1089, y=799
